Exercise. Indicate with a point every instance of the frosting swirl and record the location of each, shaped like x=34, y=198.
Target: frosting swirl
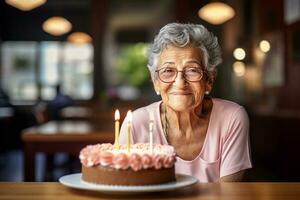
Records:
x=121, y=161
x=138, y=158
x=136, y=162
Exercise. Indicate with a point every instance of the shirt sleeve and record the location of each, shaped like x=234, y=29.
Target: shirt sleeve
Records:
x=236, y=148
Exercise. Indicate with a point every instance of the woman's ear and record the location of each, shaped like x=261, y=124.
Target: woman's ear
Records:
x=209, y=81
x=156, y=85
x=208, y=86
x=156, y=88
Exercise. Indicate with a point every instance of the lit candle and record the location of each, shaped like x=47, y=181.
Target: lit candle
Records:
x=129, y=117
x=117, y=127
x=151, y=122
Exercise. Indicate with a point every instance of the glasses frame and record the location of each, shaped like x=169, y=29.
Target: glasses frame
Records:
x=183, y=74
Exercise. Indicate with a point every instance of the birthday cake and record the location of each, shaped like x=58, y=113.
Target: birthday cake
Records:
x=141, y=165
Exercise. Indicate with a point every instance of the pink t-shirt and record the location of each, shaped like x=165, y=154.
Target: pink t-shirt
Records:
x=225, y=150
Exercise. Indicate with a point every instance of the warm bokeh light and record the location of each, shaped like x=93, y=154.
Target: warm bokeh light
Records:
x=57, y=26
x=264, y=46
x=216, y=13
x=79, y=38
x=239, y=68
x=239, y=53
x=25, y=5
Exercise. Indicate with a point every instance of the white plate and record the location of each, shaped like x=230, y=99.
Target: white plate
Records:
x=74, y=181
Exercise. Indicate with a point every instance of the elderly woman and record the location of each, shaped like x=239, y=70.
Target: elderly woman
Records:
x=210, y=135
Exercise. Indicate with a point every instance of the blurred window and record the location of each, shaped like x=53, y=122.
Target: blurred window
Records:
x=26, y=65
x=18, y=70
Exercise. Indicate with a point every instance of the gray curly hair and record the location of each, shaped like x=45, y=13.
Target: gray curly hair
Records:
x=182, y=35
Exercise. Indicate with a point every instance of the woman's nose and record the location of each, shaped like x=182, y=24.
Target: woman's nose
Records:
x=180, y=80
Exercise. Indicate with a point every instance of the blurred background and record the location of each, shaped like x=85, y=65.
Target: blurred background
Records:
x=76, y=61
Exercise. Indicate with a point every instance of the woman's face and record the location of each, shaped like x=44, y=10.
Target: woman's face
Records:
x=181, y=94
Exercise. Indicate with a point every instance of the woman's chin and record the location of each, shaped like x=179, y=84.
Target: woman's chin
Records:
x=181, y=106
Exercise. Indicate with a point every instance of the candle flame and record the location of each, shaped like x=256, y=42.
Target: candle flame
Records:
x=117, y=114
x=129, y=116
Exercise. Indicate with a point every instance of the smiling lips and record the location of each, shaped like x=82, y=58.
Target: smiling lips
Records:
x=180, y=93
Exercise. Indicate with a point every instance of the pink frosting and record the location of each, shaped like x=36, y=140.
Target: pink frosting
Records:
x=168, y=161
x=158, y=161
x=106, y=158
x=135, y=161
x=139, y=157
x=147, y=161
x=121, y=161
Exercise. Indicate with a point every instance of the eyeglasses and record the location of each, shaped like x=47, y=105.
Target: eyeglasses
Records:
x=169, y=74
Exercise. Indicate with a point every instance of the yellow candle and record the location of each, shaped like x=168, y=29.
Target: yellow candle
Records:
x=129, y=117
x=151, y=122
x=117, y=128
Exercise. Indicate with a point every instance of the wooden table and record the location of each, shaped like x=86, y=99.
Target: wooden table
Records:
x=61, y=136
x=211, y=191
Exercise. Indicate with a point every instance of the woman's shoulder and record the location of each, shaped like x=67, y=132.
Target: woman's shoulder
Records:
x=226, y=105
x=151, y=107
x=229, y=110
x=144, y=112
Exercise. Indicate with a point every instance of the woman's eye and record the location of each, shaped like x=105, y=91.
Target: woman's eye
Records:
x=192, y=70
x=168, y=70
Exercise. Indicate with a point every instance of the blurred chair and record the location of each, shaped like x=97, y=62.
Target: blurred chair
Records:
x=275, y=139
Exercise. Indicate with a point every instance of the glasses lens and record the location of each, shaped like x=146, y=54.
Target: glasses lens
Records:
x=167, y=74
x=193, y=74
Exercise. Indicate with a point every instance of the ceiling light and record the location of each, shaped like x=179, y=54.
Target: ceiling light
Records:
x=57, y=26
x=25, y=5
x=239, y=54
x=264, y=46
x=79, y=38
x=216, y=13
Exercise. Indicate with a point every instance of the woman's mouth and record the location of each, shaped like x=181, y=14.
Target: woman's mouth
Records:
x=180, y=93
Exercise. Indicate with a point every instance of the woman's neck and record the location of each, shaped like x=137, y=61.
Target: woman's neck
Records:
x=181, y=119
x=183, y=123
